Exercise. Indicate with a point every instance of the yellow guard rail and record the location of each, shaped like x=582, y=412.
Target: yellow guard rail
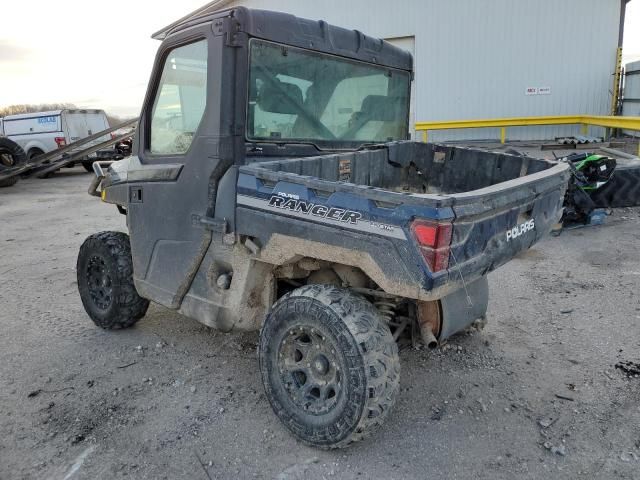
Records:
x=626, y=123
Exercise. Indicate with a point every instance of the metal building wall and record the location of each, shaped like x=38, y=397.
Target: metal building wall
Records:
x=631, y=102
x=475, y=59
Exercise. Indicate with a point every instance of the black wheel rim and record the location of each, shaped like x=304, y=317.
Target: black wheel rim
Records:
x=99, y=283
x=310, y=369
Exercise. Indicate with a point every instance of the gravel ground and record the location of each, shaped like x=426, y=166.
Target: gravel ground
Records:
x=536, y=394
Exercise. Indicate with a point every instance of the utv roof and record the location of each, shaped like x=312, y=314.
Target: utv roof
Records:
x=291, y=30
x=209, y=8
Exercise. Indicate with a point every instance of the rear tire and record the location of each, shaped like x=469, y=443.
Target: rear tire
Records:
x=105, y=281
x=329, y=365
x=88, y=166
x=33, y=153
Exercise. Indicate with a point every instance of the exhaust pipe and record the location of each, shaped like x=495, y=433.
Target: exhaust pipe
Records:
x=428, y=337
x=429, y=320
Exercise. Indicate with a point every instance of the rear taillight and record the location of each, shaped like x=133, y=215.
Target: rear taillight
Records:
x=434, y=241
x=60, y=141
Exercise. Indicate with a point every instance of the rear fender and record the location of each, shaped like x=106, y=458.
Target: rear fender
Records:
x=39, y=144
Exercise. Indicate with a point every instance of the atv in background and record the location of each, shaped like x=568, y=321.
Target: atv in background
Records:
x=589, y=172
x=123, y=148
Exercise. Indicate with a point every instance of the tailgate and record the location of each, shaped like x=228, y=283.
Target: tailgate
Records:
x=82, y=124
x=494, y=224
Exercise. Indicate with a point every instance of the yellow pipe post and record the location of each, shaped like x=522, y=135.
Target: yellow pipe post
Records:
x=584, y=129
x=424, y=136
x=503, y=134
x=616, y=82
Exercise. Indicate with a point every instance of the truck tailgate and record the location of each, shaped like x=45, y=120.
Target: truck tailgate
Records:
x=494, y=224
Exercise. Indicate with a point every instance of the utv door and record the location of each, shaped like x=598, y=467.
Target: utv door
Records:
x=179, y=143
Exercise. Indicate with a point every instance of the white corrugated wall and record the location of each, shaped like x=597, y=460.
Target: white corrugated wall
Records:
x=475, y=59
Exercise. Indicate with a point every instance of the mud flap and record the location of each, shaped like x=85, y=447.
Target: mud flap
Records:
x=461, y=308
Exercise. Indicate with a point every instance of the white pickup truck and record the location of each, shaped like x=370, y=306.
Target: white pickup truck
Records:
x=43, y=132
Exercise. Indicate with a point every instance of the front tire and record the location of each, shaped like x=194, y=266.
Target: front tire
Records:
x=329, y=365
x=105, y=281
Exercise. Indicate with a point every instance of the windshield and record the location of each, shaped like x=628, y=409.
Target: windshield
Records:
x=309, y=97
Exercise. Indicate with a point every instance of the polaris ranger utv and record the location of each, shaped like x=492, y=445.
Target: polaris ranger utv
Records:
x=273, y=187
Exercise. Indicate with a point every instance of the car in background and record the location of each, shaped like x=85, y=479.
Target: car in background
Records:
x=42, y=132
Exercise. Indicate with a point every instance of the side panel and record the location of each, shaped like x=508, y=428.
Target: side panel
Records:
x=33, y=125
x=290, y=220
x=45, y=142
x=38, y=132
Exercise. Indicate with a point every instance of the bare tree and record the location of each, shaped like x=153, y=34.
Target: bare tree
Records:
x=31, y=108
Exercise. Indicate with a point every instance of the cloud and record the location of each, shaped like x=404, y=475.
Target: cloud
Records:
x=13, y=53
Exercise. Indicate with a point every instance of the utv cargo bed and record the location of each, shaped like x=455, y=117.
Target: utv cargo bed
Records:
x=499, y=204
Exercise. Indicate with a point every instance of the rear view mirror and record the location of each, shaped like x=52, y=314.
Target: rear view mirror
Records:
x=280, y=97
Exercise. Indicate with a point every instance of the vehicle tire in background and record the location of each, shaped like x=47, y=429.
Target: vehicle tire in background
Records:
x=329, y=365
x=622, y=190
x=105, y=281
x=88, y=165
x=11, y=155
x=33, y=153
